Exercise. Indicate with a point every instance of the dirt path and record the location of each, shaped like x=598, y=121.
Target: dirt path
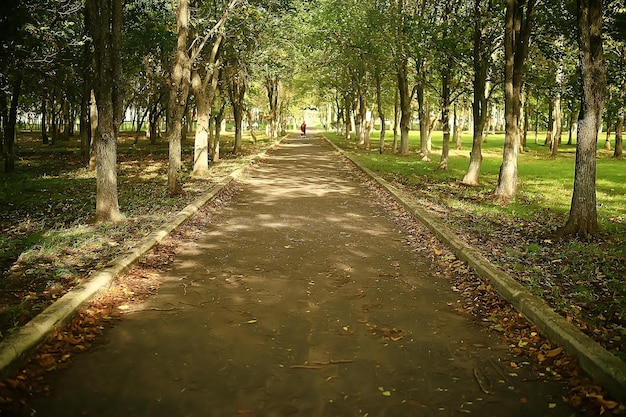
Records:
x=302, y=300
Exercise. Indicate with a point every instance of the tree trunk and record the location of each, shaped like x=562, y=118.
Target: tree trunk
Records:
x=557, y=115
x=201, y=142
x=479, y=106
x=153, y=121
x=445, y=119
x=381, y=114
x=217, y=118
x=517, y=35
x=396, y=121
x=44, y=128
x=10, y=128
x=179, y=91
x=458, y=127
x=607, y=137
x=422, y=108
x=405, y=107
x=548, y=141
x=271, y=87
x=85, y=129
x=251, y=126
x=237, y=92
x=618, y=152
x=105, y=17
x=141, y=118
x=93, y=128
x=4, y=116
x=583, y=217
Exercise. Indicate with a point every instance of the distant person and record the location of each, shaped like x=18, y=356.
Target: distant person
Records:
x=303, y=129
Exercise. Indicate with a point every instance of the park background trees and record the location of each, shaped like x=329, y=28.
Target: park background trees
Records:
x=403, y=64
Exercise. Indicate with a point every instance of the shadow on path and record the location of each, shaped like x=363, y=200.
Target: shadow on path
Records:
x=301, y=300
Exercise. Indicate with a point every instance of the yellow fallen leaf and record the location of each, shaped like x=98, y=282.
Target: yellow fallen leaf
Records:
x=124, y=307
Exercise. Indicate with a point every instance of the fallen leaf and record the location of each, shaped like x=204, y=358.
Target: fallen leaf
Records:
x=554, y=352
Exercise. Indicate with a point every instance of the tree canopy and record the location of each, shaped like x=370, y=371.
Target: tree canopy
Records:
x=407, y=63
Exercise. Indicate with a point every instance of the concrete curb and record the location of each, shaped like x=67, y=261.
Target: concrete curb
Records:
x=599, y=363
x=18, y=345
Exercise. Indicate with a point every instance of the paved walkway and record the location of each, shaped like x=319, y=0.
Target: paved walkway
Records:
x=302, y=299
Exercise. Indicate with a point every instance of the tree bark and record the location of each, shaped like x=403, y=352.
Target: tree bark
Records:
x=272, y=85
x=381, y=113
x=583, y=217
x=10, y=128
x=424, y=118
x=557, y=115
x=406, y=113
x=179, y=92
x=618, y=151
x=445, y=118
x=237, y=92
x=479, y=106
x=105, y=17
x=44, y=128
x=518, y=22
x=396, y=121
x=204, y=91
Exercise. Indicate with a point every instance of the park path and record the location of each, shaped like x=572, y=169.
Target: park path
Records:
x=301, y=299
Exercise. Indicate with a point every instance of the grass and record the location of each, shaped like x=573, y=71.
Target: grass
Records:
x=48, y=242
x=583, y=280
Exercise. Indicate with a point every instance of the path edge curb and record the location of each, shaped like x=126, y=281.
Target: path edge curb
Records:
x=16, y=347
x=598, y=362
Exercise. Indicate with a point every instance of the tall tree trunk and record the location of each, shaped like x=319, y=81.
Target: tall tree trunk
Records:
x=479, y=106
x=44, y=128
x=141, y=118
x=272, y=85
x=105, y=17
x=517, y=35
x=526, y=119
x=250, y=125
x=424, y=118
x=458, y=127
x=396, y=121
x=237, y=93
x=618, y=152
x=217, y=120
x=4, y=116
x=381, y=114
x=10, y=128
x=406, y=113
x=179, y=92
x=583, y=216
x=445, y=118
x=93, y=128
x=557, y=115
x=153, y=121
x=204, y=91
x=607, y=137
x=548, y=141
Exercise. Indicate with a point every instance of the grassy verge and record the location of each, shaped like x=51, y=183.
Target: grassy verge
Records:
x=48, y=242
x=585, y=281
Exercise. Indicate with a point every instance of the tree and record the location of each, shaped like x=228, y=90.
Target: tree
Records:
x=583, y=221
x=105, y=28
x=484, y=35
x=180, y=82
x=518, y=23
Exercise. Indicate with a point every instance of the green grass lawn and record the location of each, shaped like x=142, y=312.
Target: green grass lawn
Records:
x=544, y=182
